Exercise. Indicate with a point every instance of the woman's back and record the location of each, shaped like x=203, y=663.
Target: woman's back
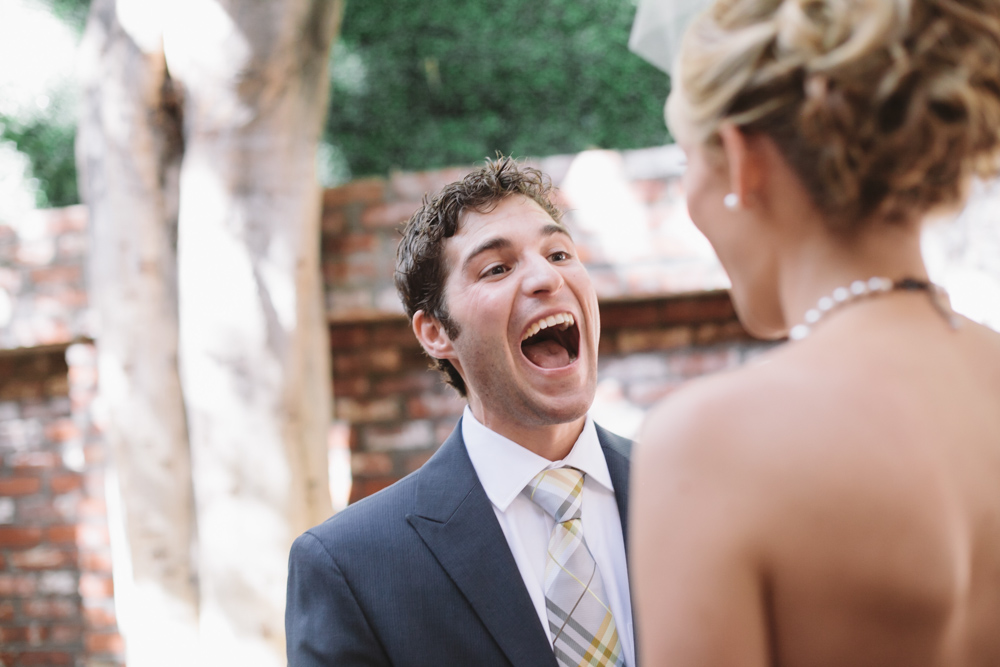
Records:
x=887, y=551
x=862, y=470
x=839, y=502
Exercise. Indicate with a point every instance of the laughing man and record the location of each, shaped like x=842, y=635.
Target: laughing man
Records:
x=506, y=547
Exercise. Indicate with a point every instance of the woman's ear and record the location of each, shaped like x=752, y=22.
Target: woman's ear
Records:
x=746, y=175
x=432, y=336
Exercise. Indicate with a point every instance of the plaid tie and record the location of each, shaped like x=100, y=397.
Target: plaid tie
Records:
x=580, y=620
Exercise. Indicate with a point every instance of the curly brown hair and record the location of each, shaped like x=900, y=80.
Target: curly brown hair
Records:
x=884, y=108
x=421, y=271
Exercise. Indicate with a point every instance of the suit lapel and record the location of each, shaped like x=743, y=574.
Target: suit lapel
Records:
x=616, y=452
x=455, y=519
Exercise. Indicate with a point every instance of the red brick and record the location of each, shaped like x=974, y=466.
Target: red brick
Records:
x=355, y=411
x=409, y=435
x=17, y=585
x=713, y=306
x=21, y=390
x=412, y=382
x=364, y=191
x=96, y=586
x=388, y=215
x=369, y=464
x=354, y=387
x=334, y=221
x=19, y=538
x=66, y=219
x=724, y=332
x=93, y=561
x=355, y=270
x=414, y=185
x=700, y=363
x=55, y=387
x=61, y=534
x=64, y=634
x=99, y=617
x=45, y=659
x=43, y=558
x=61, y=430
x=94, y=536
x=414, y=461
x=362, y=488
x=19, y=486
x=348, y=337
x=6, y=611
x=347, y=244
x=60, y=275
x=398, y=333
x=637, y=314
x=435, y=405
x=16, y=635
x=633, y=340
x=93, y=454
x=104, y=642
x=65, y=483
x=33, y=460
x=50, y=608
x=40, y=509
x=92, y=507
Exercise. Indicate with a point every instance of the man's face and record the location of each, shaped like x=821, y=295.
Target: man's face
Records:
x=527, y=315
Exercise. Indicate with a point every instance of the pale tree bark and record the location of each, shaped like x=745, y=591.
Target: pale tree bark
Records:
x=247, y=329
x=128, y=150
x=253, y=354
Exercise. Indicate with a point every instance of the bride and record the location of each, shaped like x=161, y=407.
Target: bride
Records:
x=836, y=502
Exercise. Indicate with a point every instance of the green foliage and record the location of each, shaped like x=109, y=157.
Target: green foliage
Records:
x=49, y=147
x=419, y=84
x=71, y=12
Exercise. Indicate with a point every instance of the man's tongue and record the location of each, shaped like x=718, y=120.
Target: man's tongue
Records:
x=546, y=354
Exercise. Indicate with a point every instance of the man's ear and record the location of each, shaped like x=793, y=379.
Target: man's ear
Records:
x=746, y=170
x=432, y=336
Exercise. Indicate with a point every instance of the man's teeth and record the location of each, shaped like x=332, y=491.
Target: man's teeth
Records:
x=564, y=319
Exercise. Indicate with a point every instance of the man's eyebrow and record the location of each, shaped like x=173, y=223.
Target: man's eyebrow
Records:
x=496, y=243
x=552, y=228
x=501, y=243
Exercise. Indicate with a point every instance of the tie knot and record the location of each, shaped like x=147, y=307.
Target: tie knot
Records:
x=557, y=492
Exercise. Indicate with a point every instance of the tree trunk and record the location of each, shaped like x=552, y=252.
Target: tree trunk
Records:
x=128, y=152
x=253, y=355
x=235, y=303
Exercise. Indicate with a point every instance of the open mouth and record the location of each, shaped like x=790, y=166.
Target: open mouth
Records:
x=552, y=342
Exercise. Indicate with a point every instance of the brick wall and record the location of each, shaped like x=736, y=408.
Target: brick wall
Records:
x=43, y=297
x=396, y=411
x=56, y=593
x=627, y=214
x=625, y=209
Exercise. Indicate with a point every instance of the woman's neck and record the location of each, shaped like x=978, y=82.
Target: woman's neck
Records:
x=824, y=262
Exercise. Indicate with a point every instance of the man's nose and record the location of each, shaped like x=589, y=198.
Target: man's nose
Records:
x=541, y=276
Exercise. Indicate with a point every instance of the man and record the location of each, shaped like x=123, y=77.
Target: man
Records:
x=506, y=547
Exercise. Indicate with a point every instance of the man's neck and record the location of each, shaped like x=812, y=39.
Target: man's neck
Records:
x=550, y=441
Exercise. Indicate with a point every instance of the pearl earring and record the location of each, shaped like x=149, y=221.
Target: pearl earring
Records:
x=731, y=201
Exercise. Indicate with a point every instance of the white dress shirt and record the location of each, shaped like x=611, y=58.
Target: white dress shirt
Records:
x=504, y=468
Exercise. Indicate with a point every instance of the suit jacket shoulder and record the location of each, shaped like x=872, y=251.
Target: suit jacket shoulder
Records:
x=397, y=579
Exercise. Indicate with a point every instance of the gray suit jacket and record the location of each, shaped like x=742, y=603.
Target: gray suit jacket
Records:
x=421, y=574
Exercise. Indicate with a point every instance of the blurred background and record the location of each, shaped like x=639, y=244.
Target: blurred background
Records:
x=201, y=350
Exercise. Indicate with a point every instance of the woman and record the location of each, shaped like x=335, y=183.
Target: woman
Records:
x=838, y=501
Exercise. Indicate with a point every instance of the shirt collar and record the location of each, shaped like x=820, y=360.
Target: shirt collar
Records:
x=505, y=467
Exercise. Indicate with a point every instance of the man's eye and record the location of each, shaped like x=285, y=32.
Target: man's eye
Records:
x=496, y=270
x=559, y=256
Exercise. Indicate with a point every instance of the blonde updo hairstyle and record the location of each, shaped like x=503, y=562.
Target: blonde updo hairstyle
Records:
x=884, y=108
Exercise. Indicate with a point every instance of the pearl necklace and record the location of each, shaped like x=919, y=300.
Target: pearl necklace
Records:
x=861, y=289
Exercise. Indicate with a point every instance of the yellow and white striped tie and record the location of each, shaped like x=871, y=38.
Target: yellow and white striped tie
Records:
x=580, y=620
